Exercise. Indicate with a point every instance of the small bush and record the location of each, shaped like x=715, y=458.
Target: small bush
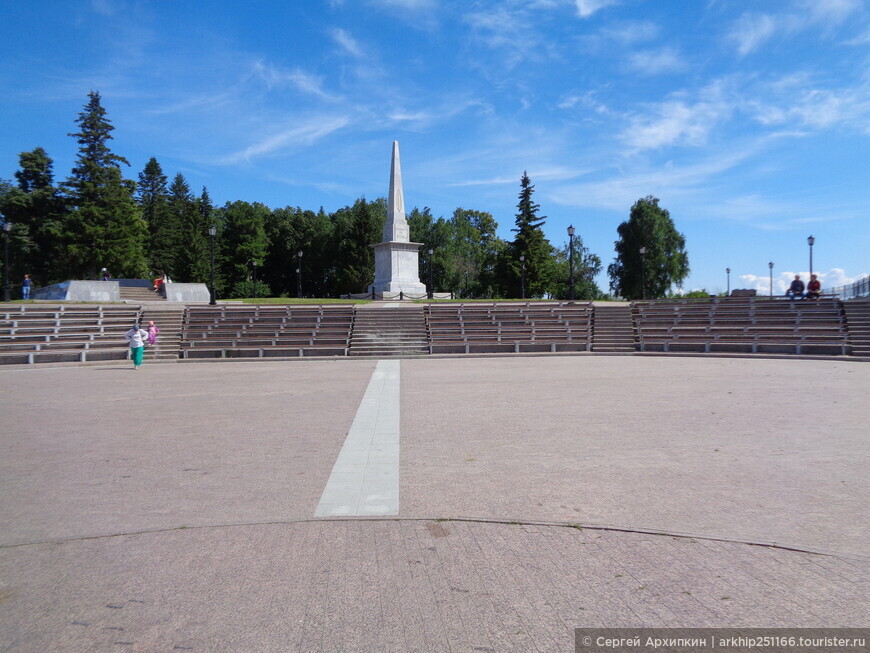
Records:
x=247, y=288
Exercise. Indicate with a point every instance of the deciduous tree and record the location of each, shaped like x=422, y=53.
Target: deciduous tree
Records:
x=665, y=261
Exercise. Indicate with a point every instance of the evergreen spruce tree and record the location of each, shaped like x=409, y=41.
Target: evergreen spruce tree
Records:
x=531, y=243
x=104, y=227
x=195, y=234
x=178, y=253
x=358, y=228
x=154, y=201
x=35, y=209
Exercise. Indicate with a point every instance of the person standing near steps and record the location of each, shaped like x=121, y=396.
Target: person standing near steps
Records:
x=136, y=337
x=152, y=333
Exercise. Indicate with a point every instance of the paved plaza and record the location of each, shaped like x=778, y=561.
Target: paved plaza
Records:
x=293, y=506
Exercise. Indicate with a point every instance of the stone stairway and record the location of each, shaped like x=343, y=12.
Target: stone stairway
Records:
x=140, y=295
x=382, y=331
x=613, y=328
x=168, y=318
x=857, y=313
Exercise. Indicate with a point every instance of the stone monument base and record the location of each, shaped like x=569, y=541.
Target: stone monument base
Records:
x=396, y=268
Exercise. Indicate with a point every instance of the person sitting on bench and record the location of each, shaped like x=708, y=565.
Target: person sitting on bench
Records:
x=796, y=289
x=814, y=287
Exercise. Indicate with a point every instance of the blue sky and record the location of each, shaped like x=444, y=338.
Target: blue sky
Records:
x=750, y=121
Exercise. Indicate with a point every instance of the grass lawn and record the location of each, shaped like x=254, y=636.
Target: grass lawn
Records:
x=304, y=300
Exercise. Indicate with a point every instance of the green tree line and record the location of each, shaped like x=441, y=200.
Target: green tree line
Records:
x=99, y=218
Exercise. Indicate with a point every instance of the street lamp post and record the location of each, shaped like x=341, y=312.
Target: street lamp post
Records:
x=728, y=275
x=523, y=277
x=811, y=241
x=642, y=251
x=571, y=262
x=7, y=228
x=254, y=276
x=770, y=265
x=431, y=277
x=212, y=232
x=299, y=274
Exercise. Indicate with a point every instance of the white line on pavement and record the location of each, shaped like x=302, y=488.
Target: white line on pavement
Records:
x=365, y=477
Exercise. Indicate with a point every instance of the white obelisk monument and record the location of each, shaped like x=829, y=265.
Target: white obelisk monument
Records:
x=397, y=259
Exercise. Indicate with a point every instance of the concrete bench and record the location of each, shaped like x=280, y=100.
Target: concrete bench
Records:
x=263, y=352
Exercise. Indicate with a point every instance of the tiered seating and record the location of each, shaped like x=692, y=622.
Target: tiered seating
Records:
x=750, y=325
x=43, y=333
x=508, y=327
x=260, y=331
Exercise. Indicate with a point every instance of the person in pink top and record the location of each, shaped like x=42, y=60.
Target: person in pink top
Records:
x=152, y=333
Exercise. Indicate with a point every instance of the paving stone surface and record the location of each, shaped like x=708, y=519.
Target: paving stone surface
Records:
x=172, y=509
x=754, y=449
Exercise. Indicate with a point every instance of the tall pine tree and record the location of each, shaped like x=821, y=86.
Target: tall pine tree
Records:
x=154, y=202
x=182, y=215
x=357, y=228
x=105, y=226
x=197, y=267
x=531, y=243
x=35, y=209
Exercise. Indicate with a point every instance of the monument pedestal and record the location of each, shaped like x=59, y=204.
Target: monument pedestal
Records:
x=396, y=268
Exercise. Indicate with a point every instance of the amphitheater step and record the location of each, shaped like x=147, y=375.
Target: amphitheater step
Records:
x=169, y=319
x=381, y=331
x=612, y=328
x=857, y=313
x=142, y=294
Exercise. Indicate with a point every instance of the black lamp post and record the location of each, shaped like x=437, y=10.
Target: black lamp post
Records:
x=523, y=277
x=571, y=262
x=811, y=241
x=431, y=278
x=212, y=232
x=7, y=228
x=254, y=276
x=642, y=272
x=770, y=265
x=728, y=274
x=299, y=274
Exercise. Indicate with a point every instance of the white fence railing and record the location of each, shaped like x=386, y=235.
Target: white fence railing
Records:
x=860, y=288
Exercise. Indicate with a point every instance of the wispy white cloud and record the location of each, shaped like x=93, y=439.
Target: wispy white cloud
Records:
x=284, y=139
x=104, y=7
x=418, y=14
x=799, y=103
x=688, y=182
x=829, y=11
x=510, y=30
x=752, y=30
x=861, y=39
x=310, y=84
x=413, y=5
x=586, y=100
x=553, y=173
x=347, y=42
x=631, y=32
x=678, y=122
x=586, y=8
x=657, y=62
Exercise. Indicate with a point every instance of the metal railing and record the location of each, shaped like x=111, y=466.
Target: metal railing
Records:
x=860, y=288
